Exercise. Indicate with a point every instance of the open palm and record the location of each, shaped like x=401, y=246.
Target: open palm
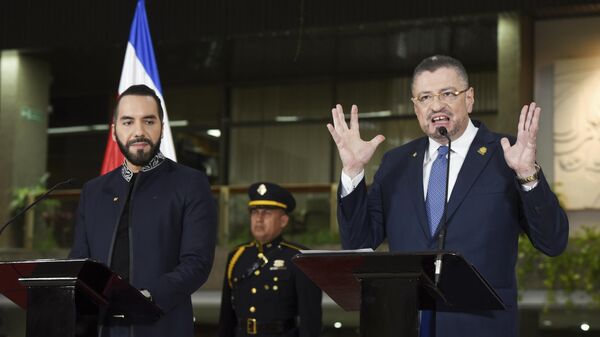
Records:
x=354, y=152
x=521, y=156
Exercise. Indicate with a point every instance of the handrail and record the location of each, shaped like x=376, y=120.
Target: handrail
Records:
x=223, y=193
x=233, y=189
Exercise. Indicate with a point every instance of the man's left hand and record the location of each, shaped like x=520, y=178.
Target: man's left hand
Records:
x=521, y=156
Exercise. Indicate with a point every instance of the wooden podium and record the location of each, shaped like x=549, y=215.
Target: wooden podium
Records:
x=57, y=294
x=389, y=289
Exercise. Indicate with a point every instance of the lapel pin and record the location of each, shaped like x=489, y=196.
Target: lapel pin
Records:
x=482, y=150
x=115, y=199
x=414, y=154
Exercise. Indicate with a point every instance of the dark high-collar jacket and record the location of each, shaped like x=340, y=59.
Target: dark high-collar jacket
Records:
x=172, y=234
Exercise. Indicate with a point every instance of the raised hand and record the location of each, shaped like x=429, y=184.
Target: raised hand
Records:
x=354, y=152
x=521, y=156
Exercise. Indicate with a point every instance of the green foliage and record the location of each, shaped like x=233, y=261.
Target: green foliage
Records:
x=577, y=269
x=21, y=197
x=314, y=237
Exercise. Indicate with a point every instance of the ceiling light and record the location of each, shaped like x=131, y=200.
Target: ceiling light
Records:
x=214, y=132
x=584, y=326
x=287, y=119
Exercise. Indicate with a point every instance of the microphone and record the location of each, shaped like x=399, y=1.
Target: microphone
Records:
x=42, y=197
x=442, y=225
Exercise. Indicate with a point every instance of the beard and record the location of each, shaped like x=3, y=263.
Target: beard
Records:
x=139, y=158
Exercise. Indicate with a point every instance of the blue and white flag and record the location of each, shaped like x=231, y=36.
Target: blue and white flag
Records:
x=139, y=67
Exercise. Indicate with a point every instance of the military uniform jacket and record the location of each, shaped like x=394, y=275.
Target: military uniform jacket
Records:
x=265, y=294
x=172, y=233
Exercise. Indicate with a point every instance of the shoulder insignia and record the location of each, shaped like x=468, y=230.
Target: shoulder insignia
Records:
x=238, y=252
x=290, y=245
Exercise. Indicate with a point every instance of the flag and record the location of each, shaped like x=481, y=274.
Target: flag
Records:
x=139, y=67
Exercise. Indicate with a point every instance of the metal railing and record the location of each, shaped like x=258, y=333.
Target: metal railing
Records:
x=59, y=222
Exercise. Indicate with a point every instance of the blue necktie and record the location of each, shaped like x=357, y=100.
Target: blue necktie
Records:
x=436, y=189
x=434, y=203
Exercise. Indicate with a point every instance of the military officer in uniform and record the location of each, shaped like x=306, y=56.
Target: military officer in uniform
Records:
x=264, y=293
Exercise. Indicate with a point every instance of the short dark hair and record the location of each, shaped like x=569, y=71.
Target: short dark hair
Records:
x=435, y=62
x=139, y=90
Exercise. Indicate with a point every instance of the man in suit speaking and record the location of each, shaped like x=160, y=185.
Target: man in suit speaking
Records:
x=496, y=191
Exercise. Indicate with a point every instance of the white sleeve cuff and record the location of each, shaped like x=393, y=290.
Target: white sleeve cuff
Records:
x=349, y=184
x=529, y=188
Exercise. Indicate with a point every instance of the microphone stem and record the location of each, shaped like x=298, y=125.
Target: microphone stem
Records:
x=442, y=225
x=42, y=197
x=442, y=239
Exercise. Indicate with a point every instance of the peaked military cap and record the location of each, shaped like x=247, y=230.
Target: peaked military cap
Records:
x=270, y=195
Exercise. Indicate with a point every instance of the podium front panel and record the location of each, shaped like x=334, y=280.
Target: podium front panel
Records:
x=461, y=287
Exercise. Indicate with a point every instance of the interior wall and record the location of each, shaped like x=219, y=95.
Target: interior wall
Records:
x=304, y=153
x=559, y=40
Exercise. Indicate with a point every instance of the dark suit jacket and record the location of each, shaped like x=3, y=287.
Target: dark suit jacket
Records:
x=172, y=231
x=486, y=212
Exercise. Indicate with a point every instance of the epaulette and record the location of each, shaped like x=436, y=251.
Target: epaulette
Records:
x=236, y=255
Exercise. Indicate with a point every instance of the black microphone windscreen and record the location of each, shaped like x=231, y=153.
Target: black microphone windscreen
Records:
x=442, y=130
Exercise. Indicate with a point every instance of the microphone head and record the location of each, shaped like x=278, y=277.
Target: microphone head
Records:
x=68, y=182
x=442, y=130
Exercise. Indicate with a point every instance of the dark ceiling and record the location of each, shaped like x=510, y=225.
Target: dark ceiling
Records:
x=93, y=23
x=260, y=41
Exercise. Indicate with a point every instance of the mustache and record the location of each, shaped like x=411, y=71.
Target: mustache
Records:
x=140, y=139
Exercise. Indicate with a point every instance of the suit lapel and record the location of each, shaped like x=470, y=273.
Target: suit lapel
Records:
x=479, y=154
x=116, y=190
x=417, y=156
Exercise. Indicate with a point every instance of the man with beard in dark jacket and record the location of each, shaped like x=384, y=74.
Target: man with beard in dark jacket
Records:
x=153, y=221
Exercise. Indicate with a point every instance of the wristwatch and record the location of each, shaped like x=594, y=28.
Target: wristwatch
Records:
x=532, y=177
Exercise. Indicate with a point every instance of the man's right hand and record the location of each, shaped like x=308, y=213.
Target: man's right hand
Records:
x=354, y=152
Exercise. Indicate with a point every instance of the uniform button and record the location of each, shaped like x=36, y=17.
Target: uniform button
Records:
x=253, y=290
x=269, y=245
x=252, y=309
x=275, y=278
x=266, y=287
x=235, y=279
x=275, y=288
x=257, y=272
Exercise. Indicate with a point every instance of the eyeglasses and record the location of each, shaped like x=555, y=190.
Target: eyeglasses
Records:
x=446, y=96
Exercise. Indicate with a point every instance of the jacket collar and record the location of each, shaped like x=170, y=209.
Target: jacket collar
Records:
x=274, y=243
x=127, y=173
